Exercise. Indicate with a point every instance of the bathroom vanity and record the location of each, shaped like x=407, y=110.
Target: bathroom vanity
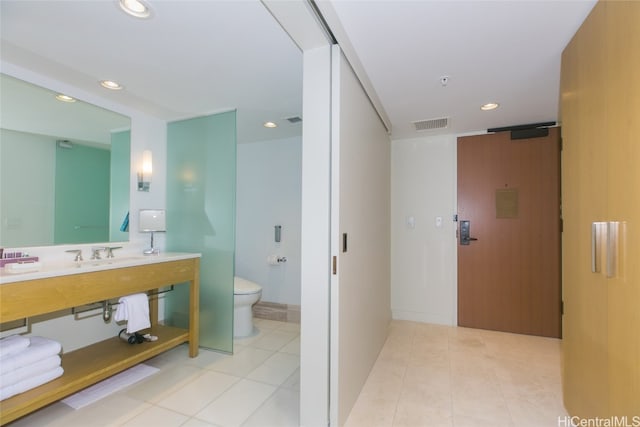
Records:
x=48, y=291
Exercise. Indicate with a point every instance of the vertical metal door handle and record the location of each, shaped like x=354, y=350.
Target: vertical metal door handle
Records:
x=595, y=248
x=612, y=248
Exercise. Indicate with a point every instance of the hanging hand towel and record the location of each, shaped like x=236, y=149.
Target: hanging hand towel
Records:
x=135, y=310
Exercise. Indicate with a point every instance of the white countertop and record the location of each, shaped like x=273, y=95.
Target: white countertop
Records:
x=66, y=268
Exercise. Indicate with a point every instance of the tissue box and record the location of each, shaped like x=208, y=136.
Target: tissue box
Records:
x=22, y=267
x=22, y=260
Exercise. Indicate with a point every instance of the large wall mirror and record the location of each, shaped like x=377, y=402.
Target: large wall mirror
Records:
x=64, y=169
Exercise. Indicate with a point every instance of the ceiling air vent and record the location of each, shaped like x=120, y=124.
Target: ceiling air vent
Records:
x=295, y=119
x=431, y=124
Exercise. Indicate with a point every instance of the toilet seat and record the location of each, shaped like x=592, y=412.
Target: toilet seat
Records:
x=245, y=287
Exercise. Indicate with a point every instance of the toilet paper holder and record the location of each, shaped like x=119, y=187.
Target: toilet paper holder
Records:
x=275, y=259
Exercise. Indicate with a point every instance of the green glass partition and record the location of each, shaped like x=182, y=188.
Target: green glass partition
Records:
x=201, y=197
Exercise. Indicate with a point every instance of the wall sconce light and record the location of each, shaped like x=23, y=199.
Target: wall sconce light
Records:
x=144, y=174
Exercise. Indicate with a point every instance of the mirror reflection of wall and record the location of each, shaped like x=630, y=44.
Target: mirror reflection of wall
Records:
x=64, y=169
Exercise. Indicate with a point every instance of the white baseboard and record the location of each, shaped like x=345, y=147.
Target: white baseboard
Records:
x=421, y=317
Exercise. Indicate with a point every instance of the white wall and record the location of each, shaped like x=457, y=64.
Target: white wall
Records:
x=424, y=260
x=269, y=183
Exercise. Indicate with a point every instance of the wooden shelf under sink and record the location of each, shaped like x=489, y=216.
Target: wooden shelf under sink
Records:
x=89, y=365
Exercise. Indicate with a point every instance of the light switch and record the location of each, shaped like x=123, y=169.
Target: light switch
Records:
x=438, y=221
x=411, y=222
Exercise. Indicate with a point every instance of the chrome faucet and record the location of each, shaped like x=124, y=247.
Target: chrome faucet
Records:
x=95, y=252
x=110, y=250
x=78, y=253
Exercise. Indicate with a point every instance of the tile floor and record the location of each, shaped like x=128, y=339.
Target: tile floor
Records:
x=425, y=376
x=431, y=376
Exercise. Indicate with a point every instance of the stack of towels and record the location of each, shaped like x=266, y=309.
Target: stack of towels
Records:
x=26, y=363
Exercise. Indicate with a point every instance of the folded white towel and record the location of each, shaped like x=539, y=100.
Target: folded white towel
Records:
x=135, y=310
x=12, y=344
x=39, y=348
x=29, y=383
x=30, y=371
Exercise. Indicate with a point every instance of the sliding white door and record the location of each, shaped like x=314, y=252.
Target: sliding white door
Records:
x=360, y=237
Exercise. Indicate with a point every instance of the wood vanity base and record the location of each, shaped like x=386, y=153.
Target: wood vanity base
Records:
x=89, y=365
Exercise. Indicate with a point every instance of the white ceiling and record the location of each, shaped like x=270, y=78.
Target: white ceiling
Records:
x=198, y=57
x=190, y=59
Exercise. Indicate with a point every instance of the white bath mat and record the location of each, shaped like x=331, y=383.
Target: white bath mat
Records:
x=110, y=385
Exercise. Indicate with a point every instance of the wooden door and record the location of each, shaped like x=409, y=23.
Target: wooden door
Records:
x=600, y=95
x=584, y=187
x=622, y=98
x=509, y=191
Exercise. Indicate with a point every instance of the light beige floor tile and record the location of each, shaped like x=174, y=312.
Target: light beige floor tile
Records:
x=205, y=359
x=433, y=393
x=194, y=422
x=243, y=362
x=540, y=411
x=466, y=421
x=476, y=403
x=396, y=352
x=276, y=369
x=372, y=412
x=49, y=416
x=179, y=353
x=274, y=340
x=197, y=394
x=293, y=382
x=246, y=341
x=289, y=327
x=293, y=347
x=414, y=413
x=113, y=410
x=157, y=417
x=267, y=324
x=234, y=406
x=280, y=410
x=384, y=381
x=163, y=383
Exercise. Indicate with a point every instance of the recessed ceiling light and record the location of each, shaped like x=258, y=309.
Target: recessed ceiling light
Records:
x=489, y=106
x=135, y=8
x=110, y=85
x=270, y=125
x=65, y=98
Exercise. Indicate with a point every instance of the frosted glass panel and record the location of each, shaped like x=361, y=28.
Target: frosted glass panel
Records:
x=201, y=191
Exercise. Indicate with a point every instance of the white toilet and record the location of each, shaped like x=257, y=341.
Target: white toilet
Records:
x=245, y=294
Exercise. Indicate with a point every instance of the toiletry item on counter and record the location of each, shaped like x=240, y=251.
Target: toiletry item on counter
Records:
x=23, y=267
x=21, y=260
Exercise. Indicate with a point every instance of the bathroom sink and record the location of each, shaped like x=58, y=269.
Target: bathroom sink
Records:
x=62, y=268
